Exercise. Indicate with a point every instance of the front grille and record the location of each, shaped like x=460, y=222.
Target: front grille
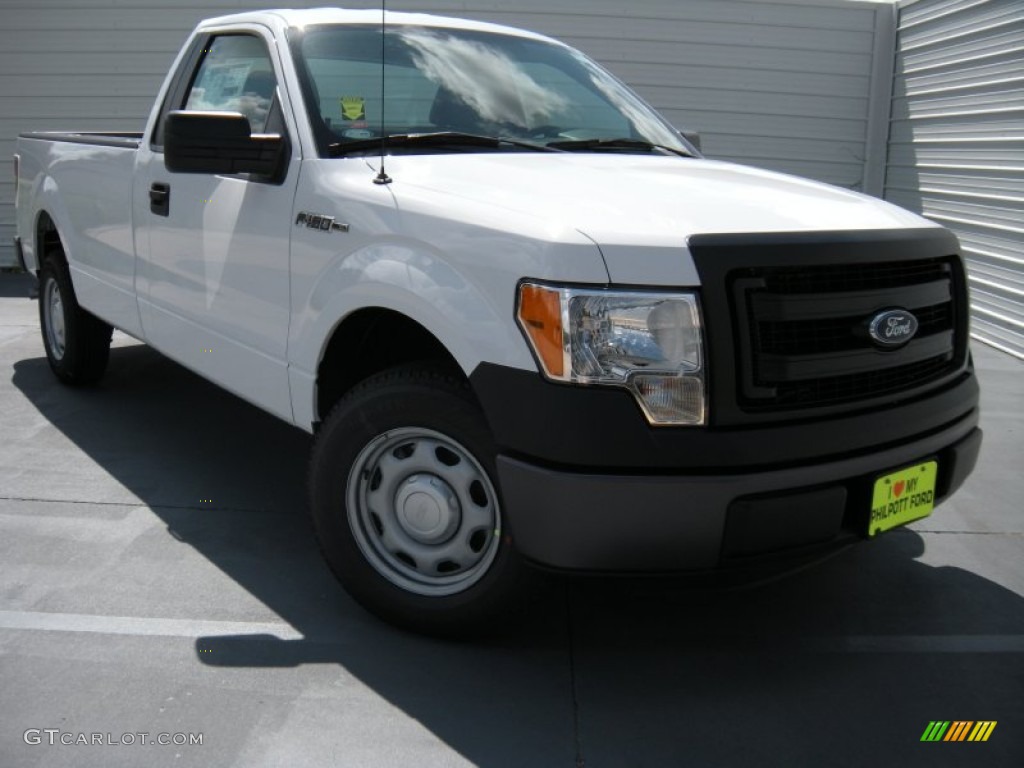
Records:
x=833, y=334
x=841, y=389
x=853, y=277
x=803, y=331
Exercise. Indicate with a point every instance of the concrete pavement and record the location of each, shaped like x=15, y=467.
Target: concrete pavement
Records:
x=158, y=575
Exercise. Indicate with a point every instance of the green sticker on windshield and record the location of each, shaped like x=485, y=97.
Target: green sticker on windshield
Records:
x=353, y=107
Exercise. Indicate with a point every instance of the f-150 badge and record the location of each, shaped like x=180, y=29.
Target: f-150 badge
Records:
x=319, y=221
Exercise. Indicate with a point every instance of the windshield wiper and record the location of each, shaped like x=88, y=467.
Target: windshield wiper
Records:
x=438, y=139
x=570, y=145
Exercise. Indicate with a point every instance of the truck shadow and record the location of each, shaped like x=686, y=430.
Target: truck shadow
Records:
x=841, y=664
x=16, y=285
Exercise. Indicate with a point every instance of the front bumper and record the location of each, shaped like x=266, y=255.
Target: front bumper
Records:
x=589, y=485
x=643, y=523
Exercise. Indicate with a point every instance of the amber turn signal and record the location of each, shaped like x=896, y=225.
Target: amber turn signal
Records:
x=540, y=315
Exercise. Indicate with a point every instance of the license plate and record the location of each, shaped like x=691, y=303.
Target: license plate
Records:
x=902, y=497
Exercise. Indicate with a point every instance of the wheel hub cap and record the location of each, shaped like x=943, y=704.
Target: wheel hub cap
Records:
x=423, y=512
x=55, y=319
x=427, y=508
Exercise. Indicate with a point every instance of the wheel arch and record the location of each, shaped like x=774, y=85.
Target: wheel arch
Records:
x=47, y=238
x=364, y=343
x=406, y=299
x=47, y=224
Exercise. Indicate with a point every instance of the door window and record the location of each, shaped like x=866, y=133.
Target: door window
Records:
x=235, y=75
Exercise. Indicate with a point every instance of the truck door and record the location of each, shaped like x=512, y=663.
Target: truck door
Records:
x=213, y=260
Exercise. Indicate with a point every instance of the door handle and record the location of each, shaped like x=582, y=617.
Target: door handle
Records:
x=160, y=198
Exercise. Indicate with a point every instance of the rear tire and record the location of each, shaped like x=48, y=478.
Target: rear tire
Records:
x=405, y=504
x=77, y=343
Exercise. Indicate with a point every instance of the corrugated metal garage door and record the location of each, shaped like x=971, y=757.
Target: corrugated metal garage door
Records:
x=789, y=85
x=956, y=150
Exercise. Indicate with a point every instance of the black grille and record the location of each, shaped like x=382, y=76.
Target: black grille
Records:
x=851, y=277
x=840, y=389
x=834, y=334
x=803, y=332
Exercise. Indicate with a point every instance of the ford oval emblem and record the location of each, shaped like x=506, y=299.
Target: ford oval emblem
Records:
x=892, y=328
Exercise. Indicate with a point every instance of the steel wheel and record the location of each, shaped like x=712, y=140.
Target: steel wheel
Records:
x=77, y=343
x=53, y=318
x=423, y=512
x=403, y=491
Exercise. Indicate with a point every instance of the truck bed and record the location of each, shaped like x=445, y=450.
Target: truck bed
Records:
x=83, y=181
x=124, y=139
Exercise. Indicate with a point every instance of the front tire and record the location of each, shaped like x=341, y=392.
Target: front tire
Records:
x=77, y=343
x=406, y=508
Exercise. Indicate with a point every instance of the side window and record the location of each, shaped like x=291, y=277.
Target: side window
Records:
x=235, y=75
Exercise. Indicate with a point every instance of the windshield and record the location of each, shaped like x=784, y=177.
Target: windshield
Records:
x=465, y=82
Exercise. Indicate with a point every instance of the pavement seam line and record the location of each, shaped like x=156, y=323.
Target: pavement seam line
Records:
x=33, y=500
x=43, y=621
x=141, y=625
x=972, y=533
x=133, y=505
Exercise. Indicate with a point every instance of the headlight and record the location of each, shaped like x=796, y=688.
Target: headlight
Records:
x=646, y=342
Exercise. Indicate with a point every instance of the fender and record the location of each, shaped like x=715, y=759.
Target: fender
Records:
x=45, y=199
x=407, y=278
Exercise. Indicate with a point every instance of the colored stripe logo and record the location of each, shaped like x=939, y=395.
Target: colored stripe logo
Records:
x=958, y=730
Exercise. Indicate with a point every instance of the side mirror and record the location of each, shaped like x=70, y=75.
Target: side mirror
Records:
x=219, y=142
x=693, y=137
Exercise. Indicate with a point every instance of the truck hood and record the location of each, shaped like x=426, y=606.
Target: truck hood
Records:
x=640, y=209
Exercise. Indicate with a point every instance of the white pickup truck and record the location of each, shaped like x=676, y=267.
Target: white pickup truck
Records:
x=526, y=320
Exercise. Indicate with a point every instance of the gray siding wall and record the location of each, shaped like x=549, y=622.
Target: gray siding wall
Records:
x=783, y=85
x=956, y=150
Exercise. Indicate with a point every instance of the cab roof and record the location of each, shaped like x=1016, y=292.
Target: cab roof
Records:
x=303, y=17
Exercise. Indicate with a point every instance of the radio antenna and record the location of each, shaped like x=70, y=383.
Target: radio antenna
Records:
x=382, y=176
